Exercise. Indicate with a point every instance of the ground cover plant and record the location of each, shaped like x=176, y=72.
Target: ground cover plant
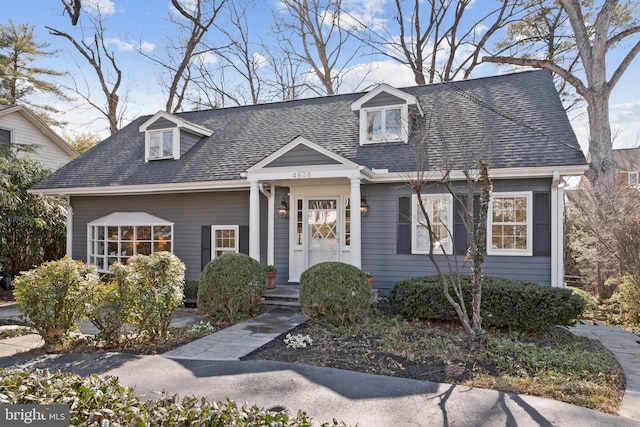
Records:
x=553, y=363
x=98, y=401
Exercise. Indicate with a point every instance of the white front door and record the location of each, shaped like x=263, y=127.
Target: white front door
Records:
x=322, y=230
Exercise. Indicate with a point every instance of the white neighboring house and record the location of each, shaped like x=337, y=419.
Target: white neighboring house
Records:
x=19, y=125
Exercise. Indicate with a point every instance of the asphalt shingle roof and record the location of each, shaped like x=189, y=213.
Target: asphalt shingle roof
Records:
x=514, y=120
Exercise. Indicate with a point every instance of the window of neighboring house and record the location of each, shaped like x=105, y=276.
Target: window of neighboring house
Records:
x=161, y=144
x=5, y=136
x=510, y=225
x=384, y=125
x=633, y=178
x=109, y=244
x=224, y=238
x=440, y=211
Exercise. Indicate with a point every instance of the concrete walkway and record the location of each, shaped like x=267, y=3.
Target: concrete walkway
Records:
x=240, y=339
x=625, y=346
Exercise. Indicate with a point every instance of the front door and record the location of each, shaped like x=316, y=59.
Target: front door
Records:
x=322, y=230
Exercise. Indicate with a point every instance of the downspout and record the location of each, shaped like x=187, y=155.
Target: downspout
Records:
x=271, y=197
x=557, y=231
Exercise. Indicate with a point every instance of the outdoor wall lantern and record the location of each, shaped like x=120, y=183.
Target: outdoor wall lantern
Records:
x=364, y=208
x=283, y=210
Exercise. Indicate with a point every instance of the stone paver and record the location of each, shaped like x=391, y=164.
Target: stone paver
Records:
x=240, y=339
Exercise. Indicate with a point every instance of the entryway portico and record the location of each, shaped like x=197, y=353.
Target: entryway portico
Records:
x=322, y=224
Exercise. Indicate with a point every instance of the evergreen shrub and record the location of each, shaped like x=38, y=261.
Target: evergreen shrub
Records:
x=52, y=296
x=334, y=291
x=231, y=286
x=513, y=304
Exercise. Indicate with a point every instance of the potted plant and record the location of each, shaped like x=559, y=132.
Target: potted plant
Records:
x=369, y=277
x=270, y=273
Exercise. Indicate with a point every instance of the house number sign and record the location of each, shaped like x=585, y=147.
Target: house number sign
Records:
x=301, y=175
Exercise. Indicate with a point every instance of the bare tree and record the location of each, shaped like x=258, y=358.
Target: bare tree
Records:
x=200, y=16
x=441, y=40
x=540, y=34
x=594, y=38
x=103, y=62
x=316, y=35
x=236, y=75
x=73, y=8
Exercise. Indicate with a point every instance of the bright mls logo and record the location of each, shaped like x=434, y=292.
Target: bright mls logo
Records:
x=34, y=415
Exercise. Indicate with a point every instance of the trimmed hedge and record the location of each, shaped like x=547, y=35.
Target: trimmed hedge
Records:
x=334, y=291
x=231, y=286
x=512, y=304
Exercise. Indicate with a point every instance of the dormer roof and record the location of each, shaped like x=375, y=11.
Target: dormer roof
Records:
x=177, y=121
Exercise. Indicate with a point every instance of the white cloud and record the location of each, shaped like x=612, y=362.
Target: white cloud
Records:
x=127, y=46
x=105, y=7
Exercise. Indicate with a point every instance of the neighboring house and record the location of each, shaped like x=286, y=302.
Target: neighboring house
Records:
x=286, y=182
x=20, y=126
x=627, y=162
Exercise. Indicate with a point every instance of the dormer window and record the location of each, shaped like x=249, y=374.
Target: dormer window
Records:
x=384, y=125
x=384, y=115
x=168, y=137
x=161, y=145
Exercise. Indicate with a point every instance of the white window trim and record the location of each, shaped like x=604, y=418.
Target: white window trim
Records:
x=414, y=222
x=629, y=178
x=119, y=219
x=176, y=143
x=512, y=252
x=236, y=230
x=404, y=124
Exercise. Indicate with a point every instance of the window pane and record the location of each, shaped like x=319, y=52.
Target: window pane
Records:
x=154, y=145
x=162, y=233
x=393, y=123
x=126, y=248
x=143, y=233
x=126, y=233
x=162, y=246
x=112, y=248
x=5, y=136
x=509, y=228
x=112, y=233
x=167, y=144
x=374, y=125
x=143, y=248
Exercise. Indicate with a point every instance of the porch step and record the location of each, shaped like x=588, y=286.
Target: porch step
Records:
x=283, y=296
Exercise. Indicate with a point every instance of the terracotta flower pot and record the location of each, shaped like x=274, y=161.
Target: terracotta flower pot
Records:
x=271, y=279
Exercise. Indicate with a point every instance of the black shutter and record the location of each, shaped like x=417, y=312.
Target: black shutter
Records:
x=404, y=226
x=243, y=243
x=205, y=246
x=460, y=243
x=541, y=224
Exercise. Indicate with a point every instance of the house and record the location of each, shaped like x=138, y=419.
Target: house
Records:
x=627, y=162
x=300, y=182
x=21, y=126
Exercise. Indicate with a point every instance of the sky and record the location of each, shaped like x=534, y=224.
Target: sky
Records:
x=143, y=23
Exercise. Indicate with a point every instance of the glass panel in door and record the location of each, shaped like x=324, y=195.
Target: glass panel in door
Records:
x=322, y=228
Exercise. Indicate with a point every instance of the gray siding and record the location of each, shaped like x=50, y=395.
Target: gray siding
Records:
x=187, y=140
x=281, y=237
x=188, y=212
x=382, y=99
x=161, y=123
x=302, y=156
x=379, y=238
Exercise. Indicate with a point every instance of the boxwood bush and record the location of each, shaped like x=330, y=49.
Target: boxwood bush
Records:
x=52, y=296
x=97, y=401
x=513, y=304
x=231, y=286
x=334, y=291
